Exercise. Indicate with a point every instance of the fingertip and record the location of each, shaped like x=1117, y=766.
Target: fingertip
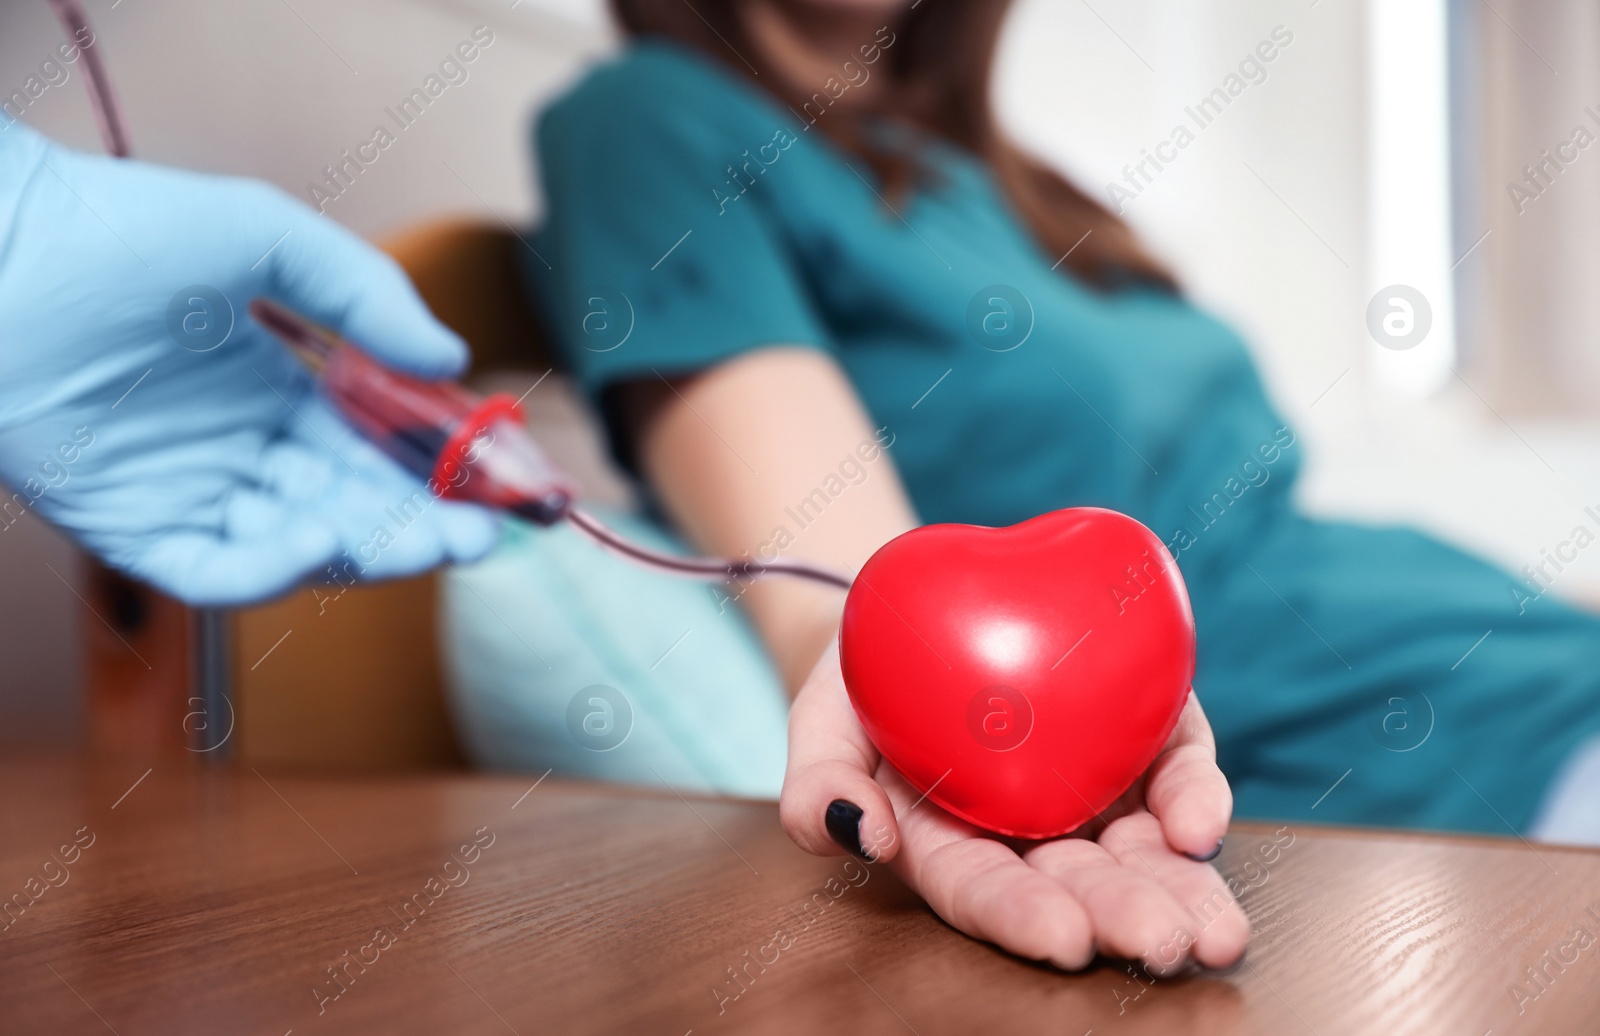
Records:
x=392, y=324
x=1065, y=933
x=1079, y=952
x=1224, y=970
x=1194, y=831
x=400, y=332
x=829, y=809
x=1224, y=945
x=468, y=532
x=274, y=568
x=881, y=842
x=333, y=277
x=206, y=572
x=1194, y=809
x=1222, y=942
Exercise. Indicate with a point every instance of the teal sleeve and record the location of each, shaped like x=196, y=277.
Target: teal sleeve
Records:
x=651, y=269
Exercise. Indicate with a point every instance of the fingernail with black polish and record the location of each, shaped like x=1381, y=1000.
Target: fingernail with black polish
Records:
x=843, y=821
x=1208, y=857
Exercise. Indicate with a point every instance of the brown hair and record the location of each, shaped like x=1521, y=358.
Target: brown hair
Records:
x=940, y=62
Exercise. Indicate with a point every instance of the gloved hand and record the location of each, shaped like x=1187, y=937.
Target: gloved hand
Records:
x=146, y=413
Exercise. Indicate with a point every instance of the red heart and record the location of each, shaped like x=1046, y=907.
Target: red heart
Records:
x=1021, y=678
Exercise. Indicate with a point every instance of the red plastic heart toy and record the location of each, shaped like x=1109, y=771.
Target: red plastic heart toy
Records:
x=1022, y=678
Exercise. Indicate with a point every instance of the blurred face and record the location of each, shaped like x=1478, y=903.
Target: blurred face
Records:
x=837, y=13
x=818, y=42
x=856, y=7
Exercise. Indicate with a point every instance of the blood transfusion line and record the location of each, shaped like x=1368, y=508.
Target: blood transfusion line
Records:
x=106, y=112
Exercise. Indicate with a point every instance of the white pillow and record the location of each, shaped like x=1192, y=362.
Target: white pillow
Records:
x=560, y=654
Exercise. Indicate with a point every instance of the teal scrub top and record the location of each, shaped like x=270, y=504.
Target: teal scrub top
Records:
x=692, y=218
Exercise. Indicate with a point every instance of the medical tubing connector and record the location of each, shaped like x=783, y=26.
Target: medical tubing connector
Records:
x=477, y=449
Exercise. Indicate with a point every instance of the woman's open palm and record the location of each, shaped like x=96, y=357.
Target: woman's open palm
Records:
x=1127, y=884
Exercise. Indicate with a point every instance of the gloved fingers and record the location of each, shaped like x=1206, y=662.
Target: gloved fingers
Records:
x=251, y=514
x=270, y=545
x=294, y=470
x=321, y=429
x=467, y=531
x=387, y=518
x=388, y=521
x=210, y=570
x=328, y=274
x=316, y=448
x=392, y=533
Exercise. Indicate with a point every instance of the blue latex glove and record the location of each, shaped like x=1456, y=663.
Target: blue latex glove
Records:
x=209, y=466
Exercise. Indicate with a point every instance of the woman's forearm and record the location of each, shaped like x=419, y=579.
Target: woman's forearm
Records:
x=771, y=454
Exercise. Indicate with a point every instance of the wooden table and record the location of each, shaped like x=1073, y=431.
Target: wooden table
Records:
x=222, y=901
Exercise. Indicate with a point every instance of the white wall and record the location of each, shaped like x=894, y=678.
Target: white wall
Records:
x=1282, y=252
x=1079, y=94
x=257, y=89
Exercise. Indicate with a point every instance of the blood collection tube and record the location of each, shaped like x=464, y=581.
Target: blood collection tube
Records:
x=465, y=446
x=472, y=448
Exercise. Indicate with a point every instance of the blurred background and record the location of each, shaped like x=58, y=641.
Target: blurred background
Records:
x=1438, y=145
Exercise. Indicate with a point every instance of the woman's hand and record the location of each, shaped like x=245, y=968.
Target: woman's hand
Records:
x=1123, y=888
x=1127, y=884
